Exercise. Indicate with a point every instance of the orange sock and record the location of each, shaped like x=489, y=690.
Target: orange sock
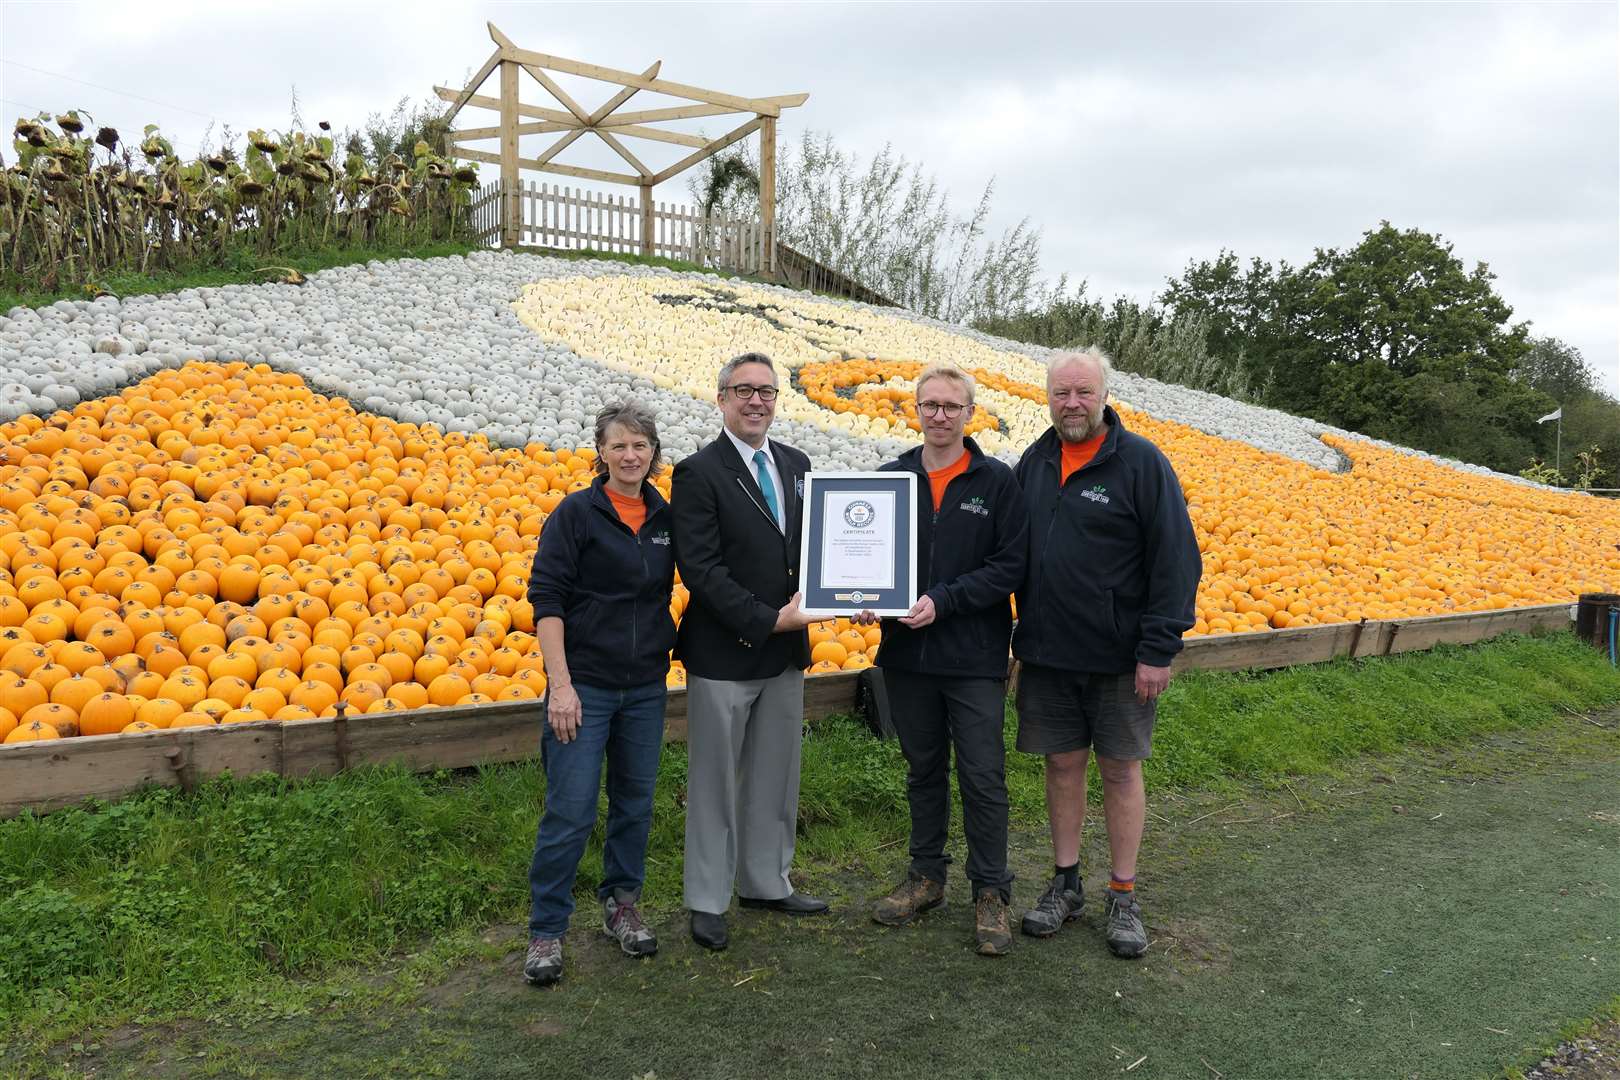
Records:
x=1119, y=884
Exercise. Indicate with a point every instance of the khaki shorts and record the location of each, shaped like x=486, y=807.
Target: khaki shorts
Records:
x=1060, y=711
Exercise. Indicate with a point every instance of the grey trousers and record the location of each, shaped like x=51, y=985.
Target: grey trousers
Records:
x=742, y=788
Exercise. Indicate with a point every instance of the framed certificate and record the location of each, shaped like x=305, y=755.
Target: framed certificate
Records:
x=858, y=551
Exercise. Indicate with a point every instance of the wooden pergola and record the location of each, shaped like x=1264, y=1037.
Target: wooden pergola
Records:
x=608, y=124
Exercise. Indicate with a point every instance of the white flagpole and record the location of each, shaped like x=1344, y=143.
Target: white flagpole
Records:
x=1558, y=451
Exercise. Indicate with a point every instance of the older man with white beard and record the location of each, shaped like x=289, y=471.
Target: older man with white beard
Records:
x=1113, y=574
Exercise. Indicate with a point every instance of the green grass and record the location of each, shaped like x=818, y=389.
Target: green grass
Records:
x=165, y=905
x=240, y=267
x=1440, y=912
x=237, y=266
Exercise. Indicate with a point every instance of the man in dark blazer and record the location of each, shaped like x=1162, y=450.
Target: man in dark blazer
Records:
x=736, y=506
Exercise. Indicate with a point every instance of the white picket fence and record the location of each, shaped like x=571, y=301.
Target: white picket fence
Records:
x=555, y=216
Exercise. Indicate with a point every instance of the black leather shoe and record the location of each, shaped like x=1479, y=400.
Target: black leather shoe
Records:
x=793, y=904
x=709, y=930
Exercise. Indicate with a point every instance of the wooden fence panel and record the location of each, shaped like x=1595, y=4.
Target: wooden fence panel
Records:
x=1279, y=648
x=47, y=776
x=1409, y=635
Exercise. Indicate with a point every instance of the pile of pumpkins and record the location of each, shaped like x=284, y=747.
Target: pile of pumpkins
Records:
x=218, y=544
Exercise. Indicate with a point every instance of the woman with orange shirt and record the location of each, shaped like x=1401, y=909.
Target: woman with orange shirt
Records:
x=601, y=588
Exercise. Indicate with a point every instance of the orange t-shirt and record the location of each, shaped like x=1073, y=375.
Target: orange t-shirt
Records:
x=632, y=510
x=1078, y=455
x=940, y=480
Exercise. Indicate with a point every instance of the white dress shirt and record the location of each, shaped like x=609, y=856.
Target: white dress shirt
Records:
x=747, y=453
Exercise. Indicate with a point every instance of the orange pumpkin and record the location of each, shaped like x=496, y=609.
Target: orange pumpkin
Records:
x=106, y=714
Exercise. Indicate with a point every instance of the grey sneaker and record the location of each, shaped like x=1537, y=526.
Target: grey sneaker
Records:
x=622, y=922
x=1126, y=935
x=908, y=899
x=544, y=964
x=1057, y=905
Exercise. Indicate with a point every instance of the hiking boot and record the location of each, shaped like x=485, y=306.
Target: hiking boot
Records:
x=543, y=965
x=1126, y=935
x=1058, y=904
x=990, y=923
x=622, y=922
x=909, y=899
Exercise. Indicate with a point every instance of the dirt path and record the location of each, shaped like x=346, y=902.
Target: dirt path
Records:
x=1436, y=915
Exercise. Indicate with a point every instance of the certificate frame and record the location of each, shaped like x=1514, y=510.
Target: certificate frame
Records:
x=887, y=589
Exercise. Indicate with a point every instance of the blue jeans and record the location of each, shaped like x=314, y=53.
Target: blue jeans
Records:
x=626, y=729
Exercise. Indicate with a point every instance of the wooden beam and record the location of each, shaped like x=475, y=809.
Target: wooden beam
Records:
x=646, y=219
x=690, y=112
x=528, y=57
x=623, y=95
x=511, y=218
x=467, y=92
x=509, y=52
x=559, y=146
x=767, y=195
x=587, y=174
x=624, y=152
x=636, y=131
x=628, y=124
x=537, y=127
x=545, y=127
x=552, y=167
x=710, y=150
x=480, y=101
x=475, y=155
x=556, y=91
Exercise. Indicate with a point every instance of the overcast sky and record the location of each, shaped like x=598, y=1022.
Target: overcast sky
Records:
x=1135, y=136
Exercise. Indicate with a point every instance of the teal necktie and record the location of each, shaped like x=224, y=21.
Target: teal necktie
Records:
x=766, y=488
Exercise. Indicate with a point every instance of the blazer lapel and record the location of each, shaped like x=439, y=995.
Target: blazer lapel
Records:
x=745, y=477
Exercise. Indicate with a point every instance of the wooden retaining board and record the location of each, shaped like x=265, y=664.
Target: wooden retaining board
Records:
x=48, y=776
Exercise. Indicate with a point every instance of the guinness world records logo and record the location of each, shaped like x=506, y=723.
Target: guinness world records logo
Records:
x=859, y=514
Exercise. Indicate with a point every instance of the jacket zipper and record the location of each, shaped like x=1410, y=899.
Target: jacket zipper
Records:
x=635, y=601
x=1046, y=544
x=933, y=541
x=1051, y=522
x=641, y=552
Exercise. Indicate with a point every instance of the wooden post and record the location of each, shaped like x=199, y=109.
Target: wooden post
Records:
x=646, y=219
x=767, y=195
x=511, y=208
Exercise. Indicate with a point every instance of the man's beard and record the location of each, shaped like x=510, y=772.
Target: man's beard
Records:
x=1080, y=428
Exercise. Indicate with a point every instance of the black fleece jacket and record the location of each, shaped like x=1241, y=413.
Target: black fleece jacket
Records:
x=1113, y=559
x=611, y=588
x=971, y=555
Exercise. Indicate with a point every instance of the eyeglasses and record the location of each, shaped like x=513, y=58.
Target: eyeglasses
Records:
x=743, y=392
x=933, y=408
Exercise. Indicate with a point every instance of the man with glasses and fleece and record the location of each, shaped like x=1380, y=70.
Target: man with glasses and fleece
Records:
x=736, y=507
x=945, y=661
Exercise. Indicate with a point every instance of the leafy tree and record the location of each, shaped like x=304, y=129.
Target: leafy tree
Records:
x=1590, y=420
x=724, y=174
x=1142, y=339
x=1394, y=338
x=1556, y=369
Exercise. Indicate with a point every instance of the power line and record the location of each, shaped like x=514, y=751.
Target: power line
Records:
x=195, y=147
x=20, y=105
x=109, y=89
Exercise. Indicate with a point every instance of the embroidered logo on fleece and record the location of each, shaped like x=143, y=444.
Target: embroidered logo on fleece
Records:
x=976, y=505
x=662, y=539
x=1097, y=493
